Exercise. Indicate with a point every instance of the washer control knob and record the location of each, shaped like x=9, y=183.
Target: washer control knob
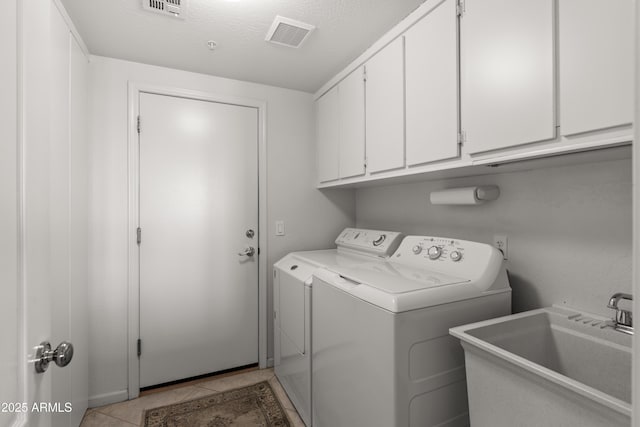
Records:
x=417, y=249
x=381, y=238
x=434, y=252
x=456, y=256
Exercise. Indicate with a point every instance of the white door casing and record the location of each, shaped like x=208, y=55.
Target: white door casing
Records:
x=78, y=239
x=136, y=91
x=68, y=217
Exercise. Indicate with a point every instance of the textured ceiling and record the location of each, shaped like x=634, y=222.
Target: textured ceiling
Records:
x=345, y=28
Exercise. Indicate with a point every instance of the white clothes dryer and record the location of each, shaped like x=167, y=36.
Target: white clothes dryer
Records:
x=381, y=350
x=292, y=303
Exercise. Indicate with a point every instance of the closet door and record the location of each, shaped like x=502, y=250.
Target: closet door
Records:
x=596, y=64
x=328, y=136
x=431, y=48
x=507, y=65
x=352, y=124
x=385, y=108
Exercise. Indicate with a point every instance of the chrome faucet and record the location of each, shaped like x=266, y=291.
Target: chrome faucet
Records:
x=623, y=320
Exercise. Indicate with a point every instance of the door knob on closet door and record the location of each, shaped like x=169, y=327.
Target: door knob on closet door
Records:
x=62, y=355
x=248, y=251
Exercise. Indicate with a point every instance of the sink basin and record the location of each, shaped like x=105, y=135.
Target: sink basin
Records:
x=551, y=366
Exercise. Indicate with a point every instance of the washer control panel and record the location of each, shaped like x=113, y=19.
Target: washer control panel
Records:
x=444, y=254
x=437, y=249
x=374, y=242
x=479, y=263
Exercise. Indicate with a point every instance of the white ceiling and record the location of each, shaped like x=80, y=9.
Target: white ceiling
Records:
x=345, y=28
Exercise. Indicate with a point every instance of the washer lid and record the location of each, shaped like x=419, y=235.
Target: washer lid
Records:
x=398, y=279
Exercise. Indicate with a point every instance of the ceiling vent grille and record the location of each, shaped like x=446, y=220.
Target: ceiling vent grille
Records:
x=289, y=32
x=175, y=8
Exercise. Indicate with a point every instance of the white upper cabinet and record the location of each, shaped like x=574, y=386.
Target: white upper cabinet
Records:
x=431, y=55
x=328, y=136
x=507, y=63
x=352, y=124
x=385, y=108
x=596, y=64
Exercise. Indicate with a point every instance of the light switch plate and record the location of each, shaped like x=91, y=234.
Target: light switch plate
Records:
x=279, y=228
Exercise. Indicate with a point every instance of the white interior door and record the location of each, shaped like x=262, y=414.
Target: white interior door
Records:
x=40, y=265
x=11, y=366
x=198, y=199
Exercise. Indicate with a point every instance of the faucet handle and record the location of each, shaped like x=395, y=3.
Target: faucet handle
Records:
x=615, y=298
x=624, y=318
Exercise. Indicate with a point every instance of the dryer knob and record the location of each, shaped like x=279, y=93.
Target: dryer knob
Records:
x=456, y=256
x=434, y=252
x=417, y=249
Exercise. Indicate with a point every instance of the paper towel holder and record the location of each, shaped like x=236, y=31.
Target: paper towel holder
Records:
x=465, y=195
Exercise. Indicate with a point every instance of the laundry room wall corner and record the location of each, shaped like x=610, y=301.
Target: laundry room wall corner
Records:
x=312, y=217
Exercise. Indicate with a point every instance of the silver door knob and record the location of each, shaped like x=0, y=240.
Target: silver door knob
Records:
x=62, y=355
x=248, y=251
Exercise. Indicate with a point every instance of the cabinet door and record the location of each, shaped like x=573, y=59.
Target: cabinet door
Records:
x=596, y=64
x=385, y=108
x=507, y=64
x=431, y=49
x=328, y=135
x=352, y=132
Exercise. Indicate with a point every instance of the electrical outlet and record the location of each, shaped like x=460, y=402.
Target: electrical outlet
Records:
x=500, y=241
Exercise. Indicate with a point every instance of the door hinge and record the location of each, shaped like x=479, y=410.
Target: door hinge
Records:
x=138, y=126
x=365, y=163
x=462, y=137
x=275, y=315
x=460, y=8
x=139, y=347
x=139, y=235
x=364, y=74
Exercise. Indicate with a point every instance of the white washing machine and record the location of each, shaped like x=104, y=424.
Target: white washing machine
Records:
x=292, y=304
x=381, y=350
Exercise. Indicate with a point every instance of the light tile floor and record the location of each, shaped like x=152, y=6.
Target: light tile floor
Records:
x=130, y=413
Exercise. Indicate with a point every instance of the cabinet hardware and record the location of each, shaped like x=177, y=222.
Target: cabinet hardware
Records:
x=462, y=137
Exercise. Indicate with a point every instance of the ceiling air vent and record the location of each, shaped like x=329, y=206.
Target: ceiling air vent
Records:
x=288, y=32
x=175, y=8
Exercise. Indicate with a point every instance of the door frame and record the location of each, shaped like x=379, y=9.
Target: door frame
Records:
x=133, y=321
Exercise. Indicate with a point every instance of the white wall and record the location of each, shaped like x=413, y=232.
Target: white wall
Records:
x=312, y=218
x=568, y=228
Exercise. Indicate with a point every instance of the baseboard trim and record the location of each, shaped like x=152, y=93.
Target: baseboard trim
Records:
x=108, y=398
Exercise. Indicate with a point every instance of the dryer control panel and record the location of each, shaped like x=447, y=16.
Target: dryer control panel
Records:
x=373, y=242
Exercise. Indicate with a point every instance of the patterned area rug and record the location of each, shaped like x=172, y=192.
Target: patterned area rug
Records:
x=254, y=405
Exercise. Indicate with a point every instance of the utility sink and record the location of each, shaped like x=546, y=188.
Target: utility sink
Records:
x=551, y=366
